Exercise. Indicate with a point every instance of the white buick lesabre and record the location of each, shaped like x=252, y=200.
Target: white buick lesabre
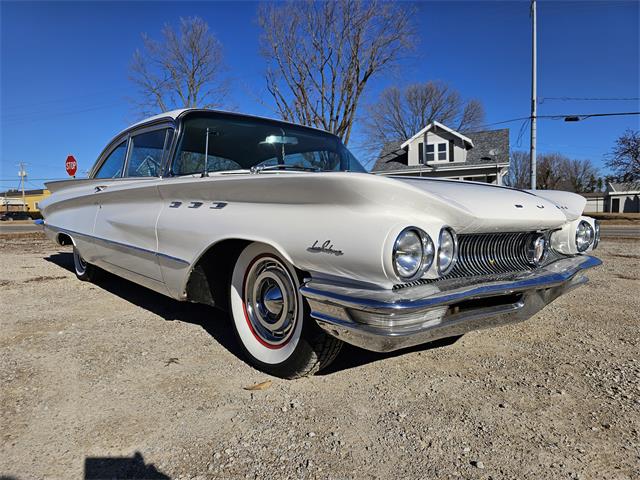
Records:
x=280, y=225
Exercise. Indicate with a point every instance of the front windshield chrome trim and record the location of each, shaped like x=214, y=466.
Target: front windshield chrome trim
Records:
x=224, y=115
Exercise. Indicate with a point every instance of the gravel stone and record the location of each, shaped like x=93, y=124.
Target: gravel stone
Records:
x=101, y=389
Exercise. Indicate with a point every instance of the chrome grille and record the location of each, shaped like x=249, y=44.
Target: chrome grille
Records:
x=488, y=253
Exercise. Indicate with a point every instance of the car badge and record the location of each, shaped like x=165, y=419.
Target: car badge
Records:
x=326, y=247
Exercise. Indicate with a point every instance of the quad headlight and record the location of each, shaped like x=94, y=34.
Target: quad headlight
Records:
x=537, y=249
x=584, y=236
x=413, y=253
x=447, y=250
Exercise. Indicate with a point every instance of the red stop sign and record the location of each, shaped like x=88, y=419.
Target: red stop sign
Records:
x=71, y=165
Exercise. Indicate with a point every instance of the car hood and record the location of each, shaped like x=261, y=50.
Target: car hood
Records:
x=498, y=208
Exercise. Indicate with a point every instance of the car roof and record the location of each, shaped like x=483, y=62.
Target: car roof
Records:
x=173, y=115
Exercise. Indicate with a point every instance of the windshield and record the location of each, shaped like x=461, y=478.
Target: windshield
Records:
x=237, y=143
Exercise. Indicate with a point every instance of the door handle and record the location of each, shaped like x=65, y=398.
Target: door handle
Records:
x=99, y=188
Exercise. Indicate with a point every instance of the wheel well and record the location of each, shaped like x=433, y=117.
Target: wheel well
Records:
x=209, y=280
x=64, y=239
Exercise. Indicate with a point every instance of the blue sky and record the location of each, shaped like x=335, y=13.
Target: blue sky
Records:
x=64, y=70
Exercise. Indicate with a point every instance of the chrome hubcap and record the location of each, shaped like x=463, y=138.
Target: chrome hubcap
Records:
x=270, y=301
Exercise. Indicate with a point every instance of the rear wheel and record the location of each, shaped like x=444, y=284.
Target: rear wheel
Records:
x=84, y=271
x=271, y=318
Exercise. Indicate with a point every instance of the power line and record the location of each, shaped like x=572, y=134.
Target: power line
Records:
x=560, y=117
x=582, y=116
x=21, y=108
x=39, y=179
x=28, y=118
x=588, y=99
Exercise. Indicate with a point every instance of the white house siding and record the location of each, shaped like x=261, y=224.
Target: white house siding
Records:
x=595, y=205
x=485, y=174
x=623, y=203
x=459, y=152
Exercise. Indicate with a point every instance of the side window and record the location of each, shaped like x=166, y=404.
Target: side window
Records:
x=145, y=159
x=112, y=166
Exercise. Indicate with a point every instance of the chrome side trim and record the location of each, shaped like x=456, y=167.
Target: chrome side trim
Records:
x=464, y=305
x=119, y=244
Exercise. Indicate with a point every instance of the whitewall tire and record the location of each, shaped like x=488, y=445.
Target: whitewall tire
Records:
x=84, y=271
x=271, y=318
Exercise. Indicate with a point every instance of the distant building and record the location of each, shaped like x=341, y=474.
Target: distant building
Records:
x=439, y=151
x=11, y=200
x=595, y=202
x=623, y=197
x=617, y=198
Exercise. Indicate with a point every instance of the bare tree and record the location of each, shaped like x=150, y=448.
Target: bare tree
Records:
x=625, y=158
x=519, y=170
x=550, y=171
x=579, y=175
x=400, y=114
x=321, y=55
x=182, y=70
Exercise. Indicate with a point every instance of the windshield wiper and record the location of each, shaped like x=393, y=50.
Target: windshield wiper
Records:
x=297, y=168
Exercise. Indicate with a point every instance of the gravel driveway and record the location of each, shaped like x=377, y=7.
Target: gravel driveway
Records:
x=114, y=381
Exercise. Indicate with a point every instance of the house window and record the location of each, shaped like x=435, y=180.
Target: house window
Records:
x=420, y=152
x=442, y=152
x=430, y=153
x=437, y=152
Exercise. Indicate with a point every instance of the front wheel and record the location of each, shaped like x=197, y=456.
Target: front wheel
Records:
x=84, y=271
x=271, y=318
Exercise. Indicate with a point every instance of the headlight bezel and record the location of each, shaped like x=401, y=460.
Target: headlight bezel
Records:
x=454, y=255
x=532, y=258
x=583, y=247
x=426, y=258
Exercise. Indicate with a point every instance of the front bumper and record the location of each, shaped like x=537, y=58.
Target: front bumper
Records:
x=386, y=320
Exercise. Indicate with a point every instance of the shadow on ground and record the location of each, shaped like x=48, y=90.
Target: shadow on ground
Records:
x=217, y=323
x=129, y=468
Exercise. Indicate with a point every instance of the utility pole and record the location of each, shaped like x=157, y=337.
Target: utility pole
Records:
x=534, y=93
x=22, y=174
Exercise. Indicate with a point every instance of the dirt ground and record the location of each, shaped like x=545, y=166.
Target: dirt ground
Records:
x=114, y=381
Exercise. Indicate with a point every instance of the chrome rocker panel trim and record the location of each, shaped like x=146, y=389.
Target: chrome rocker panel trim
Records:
x=387, y=320
x=93, y=238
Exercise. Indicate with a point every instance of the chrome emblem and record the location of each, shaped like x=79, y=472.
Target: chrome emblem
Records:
x=326, y=247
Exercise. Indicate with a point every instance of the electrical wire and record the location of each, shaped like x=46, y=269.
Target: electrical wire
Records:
x=588, y=99
x=523, y=128
x=581, y=116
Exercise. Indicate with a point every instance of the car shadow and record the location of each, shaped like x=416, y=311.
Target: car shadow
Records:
x=351, y=356
x=130, y=468
x=217, y=323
